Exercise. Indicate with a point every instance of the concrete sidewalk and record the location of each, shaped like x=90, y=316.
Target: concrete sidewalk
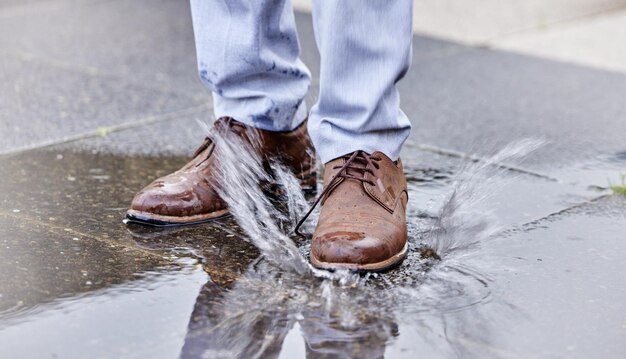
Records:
x=99, y=97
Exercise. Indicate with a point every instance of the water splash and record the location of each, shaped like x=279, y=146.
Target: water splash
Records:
x=466, y=219
x=463, y=221
x=247, y=188
x=291, y=193
x=241, y=178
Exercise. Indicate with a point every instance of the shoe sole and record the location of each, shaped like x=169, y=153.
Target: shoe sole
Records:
x=382, y=266
x=159, y=220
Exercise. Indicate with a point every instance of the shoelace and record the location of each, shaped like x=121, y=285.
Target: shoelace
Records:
x=360, y=163
x=221, y=125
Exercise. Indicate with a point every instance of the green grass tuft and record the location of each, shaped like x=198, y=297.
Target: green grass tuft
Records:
x=621, y=187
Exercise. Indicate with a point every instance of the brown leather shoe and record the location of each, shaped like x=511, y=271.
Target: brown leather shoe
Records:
x=188, y=195
x=362, y=223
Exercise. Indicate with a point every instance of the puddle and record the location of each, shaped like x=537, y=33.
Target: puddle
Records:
x=148, y=315
x=242, y=286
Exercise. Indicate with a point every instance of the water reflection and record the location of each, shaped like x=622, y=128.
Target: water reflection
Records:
x=249, y=304
x=252, y=316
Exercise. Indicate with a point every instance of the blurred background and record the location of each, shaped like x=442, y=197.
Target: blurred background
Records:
x=590, y=32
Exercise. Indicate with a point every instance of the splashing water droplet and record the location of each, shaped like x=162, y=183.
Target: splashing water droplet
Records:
x=464, y=221
x=241, y=176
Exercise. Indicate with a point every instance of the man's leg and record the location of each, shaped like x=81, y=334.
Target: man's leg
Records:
x=358, y=129
x=248, y=55
x=365, y=48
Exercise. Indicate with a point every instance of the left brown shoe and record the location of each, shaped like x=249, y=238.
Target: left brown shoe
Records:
x=362, y=223
x=189, y=195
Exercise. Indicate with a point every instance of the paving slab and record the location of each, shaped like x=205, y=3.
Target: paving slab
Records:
x=92, y=64
x=36, y=99
x=44, y=261
x=479, y=100
x=555, y=293
x=524, y=245
x=484, y=21
x=178, y=135
x=596, y=41
x=141, y=42
x=567, y=259
x=122, y=316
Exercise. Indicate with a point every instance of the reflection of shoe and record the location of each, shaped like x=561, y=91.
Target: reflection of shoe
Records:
x=188, y=195
x=362, y=223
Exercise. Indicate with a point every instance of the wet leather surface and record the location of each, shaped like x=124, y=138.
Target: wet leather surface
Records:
x=190, y=191
x=359, y=222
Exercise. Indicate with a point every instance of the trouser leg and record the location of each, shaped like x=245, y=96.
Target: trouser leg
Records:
x=248, y=55
x=365, y=48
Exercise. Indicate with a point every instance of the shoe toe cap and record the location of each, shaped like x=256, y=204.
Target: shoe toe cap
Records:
x=343, y=247
x=173, y=198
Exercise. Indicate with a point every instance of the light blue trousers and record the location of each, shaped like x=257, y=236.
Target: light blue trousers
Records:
x=248, y=55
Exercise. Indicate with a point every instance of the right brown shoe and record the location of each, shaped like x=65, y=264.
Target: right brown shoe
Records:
x=189, y=195
x=362, y=223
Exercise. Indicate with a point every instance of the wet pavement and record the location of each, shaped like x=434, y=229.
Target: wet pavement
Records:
x=530, y=245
